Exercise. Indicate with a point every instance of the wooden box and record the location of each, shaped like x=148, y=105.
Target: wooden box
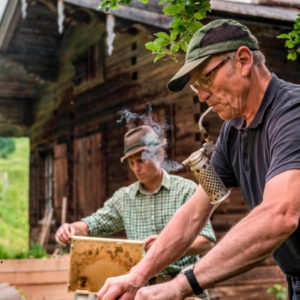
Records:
x=93, y=260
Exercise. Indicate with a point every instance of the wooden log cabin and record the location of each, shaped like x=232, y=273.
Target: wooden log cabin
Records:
x=66, y=93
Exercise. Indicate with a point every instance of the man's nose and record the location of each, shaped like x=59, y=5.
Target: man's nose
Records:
x=203, y=94
x=136, y=167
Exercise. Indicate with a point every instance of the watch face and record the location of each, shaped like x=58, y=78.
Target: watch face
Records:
x=190, y=268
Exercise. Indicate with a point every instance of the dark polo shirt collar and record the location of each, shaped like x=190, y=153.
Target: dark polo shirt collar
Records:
x=239, y=123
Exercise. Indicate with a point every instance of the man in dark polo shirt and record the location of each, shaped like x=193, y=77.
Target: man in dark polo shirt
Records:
x=258, y=150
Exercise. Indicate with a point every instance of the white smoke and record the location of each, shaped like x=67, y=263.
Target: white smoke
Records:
x=110, y=24
x=61, y=16
x=146, y=119
x=171, y=165
x=24, y=8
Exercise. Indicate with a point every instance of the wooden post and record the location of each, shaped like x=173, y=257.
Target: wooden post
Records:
x=46, y=226
x=64, y=210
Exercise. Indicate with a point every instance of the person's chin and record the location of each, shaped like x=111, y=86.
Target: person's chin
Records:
x=140, y=177
x=224, y=115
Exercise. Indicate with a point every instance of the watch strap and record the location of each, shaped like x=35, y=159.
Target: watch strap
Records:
x=189, y=273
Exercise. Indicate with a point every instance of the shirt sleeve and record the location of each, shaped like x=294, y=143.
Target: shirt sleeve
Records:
x=284, y=141
x=108, y=219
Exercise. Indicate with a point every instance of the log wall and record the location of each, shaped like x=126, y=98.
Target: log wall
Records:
x=74, y=119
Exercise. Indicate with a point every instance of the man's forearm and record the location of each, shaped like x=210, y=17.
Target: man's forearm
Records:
x=81, y=228
x=200, y=246
x=177, y=236
x=243, y=247
x=257, y=235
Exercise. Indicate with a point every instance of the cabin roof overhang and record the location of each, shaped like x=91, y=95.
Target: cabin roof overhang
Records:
x=151, y=14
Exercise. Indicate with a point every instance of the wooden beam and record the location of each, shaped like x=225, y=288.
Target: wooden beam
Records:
x=159, y=20
x=9, y=22
x=268, y=12
x=130, y=13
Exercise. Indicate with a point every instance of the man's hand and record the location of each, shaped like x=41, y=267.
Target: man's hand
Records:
x=64, y=233
x=122, y=287
x=163, y=291
x=149, y=241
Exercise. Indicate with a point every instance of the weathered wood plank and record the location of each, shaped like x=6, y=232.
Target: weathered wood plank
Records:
x=89, y=189
x=60, y=179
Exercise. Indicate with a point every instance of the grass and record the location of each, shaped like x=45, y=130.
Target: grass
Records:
x=14, y=225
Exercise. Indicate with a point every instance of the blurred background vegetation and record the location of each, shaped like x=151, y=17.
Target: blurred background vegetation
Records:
x=14, y=184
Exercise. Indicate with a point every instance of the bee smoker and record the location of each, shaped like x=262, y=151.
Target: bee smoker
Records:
x=204, y=172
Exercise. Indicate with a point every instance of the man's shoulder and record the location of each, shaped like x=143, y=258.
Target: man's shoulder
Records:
x=287, y=93
x=179, y=180
x=129, y=189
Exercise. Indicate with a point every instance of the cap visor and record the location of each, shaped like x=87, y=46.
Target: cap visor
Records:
x=182, y=77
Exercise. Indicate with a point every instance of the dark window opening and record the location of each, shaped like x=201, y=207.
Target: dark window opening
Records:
x=134, y=46
x=133, y=60
x=85, y=66
x=134, y=75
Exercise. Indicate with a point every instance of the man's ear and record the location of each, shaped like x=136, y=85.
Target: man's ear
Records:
x=245, y=59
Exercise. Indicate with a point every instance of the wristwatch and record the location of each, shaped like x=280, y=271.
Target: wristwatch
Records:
x=189, y=273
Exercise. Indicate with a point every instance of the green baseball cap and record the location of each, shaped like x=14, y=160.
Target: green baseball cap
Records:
x=219, y=36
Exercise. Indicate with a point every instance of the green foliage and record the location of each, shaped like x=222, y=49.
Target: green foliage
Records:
x=35, y=251
x=278, y=291
x=14, y=178
x=186, y=14
x=292, y=40
x=7, y=146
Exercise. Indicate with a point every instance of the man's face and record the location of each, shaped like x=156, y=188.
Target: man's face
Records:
x=145, y=169
x=218, y=83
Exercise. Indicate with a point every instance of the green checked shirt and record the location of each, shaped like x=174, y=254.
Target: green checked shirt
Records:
x=142, y=214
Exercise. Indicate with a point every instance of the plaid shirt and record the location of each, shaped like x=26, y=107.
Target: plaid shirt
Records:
x=142, y=214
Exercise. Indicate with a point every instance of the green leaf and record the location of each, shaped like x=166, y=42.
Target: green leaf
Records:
x=298, y=50
x=290, y=44
x=158, y=57
x=199, y=15
x=161, y=42
x=173, y=35
x=283, y=36
x=151, y=46
x=194, y=26
x=162, y=35
x=293, y=33
x=144, y=1
x=292, y=56
x=104, y=4
x=174, y=48
x=183, y=46
x=179, y=25
x=278, y=287
x=114, y=4
x=173, y=10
